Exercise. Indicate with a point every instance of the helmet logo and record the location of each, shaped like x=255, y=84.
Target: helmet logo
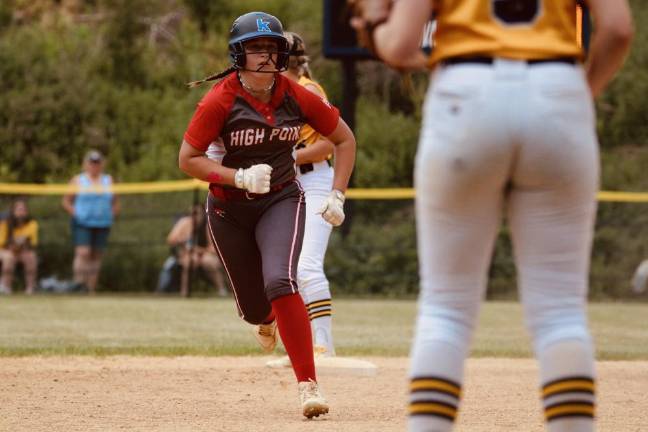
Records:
x=263, y=26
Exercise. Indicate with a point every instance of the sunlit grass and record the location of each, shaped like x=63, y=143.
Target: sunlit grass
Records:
x=78, y=325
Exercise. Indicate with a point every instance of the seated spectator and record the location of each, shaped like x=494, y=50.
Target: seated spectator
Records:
x=18, y=241
x=195, y=250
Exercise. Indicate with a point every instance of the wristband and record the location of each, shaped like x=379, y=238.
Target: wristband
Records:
x=214, y=177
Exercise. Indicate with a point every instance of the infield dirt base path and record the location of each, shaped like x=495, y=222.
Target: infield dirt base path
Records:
x=239, y=394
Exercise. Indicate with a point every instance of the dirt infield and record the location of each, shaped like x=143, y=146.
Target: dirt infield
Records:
x=240, y=394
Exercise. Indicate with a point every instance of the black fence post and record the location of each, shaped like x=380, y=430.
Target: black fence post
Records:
x=193, y=241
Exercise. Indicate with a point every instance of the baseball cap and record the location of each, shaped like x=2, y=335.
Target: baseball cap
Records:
x=93, y=156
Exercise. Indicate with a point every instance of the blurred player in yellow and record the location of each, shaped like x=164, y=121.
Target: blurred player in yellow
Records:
x=508, y=131
x=315, y=174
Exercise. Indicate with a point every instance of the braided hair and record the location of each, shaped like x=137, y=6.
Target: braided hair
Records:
x=213, y=77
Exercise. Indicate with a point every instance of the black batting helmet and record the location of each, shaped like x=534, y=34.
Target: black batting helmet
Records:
x=254, y=25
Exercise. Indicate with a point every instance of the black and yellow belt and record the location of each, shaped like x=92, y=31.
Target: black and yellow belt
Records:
x=490, y=60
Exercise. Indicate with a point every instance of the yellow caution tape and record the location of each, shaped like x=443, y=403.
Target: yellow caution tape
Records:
x=622, y=196
x=391, y=193
x=193, y=184
x=119, y=188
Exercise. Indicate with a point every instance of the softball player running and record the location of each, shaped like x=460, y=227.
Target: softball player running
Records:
x=252, y=119
x=315, y=174
x=509, y=126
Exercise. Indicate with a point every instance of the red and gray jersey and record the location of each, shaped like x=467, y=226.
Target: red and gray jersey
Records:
x=247, y=131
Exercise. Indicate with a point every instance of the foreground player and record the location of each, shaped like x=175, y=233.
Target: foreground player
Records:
x=256, y=214
x=508, y=126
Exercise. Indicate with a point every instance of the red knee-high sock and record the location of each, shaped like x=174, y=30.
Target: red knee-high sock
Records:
x=295, y=331
x=271, y=317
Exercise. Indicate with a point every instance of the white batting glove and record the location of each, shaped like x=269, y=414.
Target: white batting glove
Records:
x=255, y=179
x=333, y=208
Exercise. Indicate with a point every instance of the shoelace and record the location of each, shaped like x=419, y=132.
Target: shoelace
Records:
x=311, y=390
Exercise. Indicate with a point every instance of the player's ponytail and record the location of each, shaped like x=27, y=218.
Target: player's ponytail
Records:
x=219, y=75
x=306, y=71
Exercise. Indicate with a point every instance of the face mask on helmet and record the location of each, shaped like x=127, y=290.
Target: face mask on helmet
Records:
x=255, y=25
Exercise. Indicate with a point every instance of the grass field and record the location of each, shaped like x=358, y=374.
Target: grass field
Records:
x=77, y=325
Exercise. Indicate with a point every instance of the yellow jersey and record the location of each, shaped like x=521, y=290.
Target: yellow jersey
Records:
x=579, y=26
x=515, y=29
x=27, y=232
x=308, y=135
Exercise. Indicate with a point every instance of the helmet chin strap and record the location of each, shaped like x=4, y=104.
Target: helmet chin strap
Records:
x=269, y=62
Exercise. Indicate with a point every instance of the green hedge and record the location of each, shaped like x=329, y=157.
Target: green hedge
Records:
x=68, y=85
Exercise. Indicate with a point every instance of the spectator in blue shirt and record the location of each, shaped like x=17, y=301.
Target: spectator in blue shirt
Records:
x=93, y=207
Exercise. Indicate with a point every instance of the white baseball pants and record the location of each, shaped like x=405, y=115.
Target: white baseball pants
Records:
x=313, y=284
x=507, y=139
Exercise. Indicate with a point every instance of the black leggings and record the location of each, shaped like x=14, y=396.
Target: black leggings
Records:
x=259, y=242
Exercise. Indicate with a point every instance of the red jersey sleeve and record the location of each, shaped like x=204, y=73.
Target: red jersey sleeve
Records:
x=208, y=119
x=319, y=113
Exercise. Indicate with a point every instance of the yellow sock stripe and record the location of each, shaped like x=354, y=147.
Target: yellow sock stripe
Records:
x=433, y=384
x=433, y=408
x=568, y=409
x=569, y=378
x=318, y=303
x=565, y=386
x=319, y=309
x=319, y=314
